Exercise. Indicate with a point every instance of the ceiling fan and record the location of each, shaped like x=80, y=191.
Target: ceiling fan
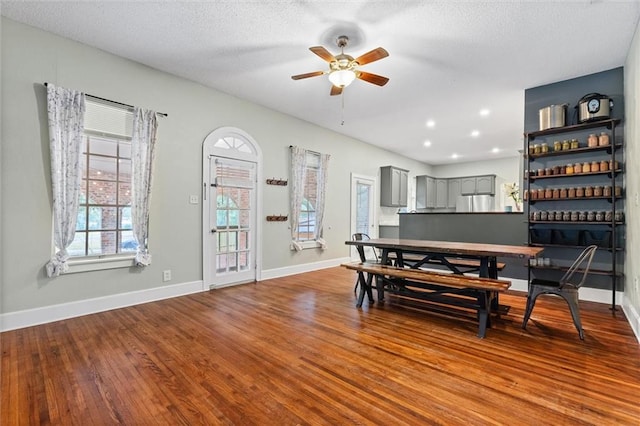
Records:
x=343, y=69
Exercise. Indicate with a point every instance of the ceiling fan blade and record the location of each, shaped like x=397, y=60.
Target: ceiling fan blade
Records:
x=307, y=75
x=374, y=55
x=372, y=78
x=335, y=90
x=323, y=53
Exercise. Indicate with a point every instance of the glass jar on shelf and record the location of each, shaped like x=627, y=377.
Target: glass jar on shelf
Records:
x=595, y=166
x=592, y=140
x=588, y=191
x=566, y=145
x=569, y=169
x=577, y=168
x=563, y=192
x=604, y=165
x=586, y=167
x=603, y=139
x=574, y=144
x=579, y=192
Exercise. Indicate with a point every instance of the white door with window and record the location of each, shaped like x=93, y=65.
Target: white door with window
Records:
x=230, y=207
x=363, y=207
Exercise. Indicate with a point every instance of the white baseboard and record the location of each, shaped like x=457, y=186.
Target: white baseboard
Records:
x=632, y=316
x=30, y=317
x=588, y=294
x=299, y=269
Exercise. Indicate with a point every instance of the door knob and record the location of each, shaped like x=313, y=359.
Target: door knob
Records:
x=214, y=230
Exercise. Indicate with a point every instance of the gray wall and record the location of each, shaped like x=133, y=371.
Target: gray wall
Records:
x=31, y=57
x=489, y=228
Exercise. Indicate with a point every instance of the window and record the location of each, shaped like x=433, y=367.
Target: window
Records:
x=307, y=216
x=308, y=194
x=104, y=223
x=104, y=213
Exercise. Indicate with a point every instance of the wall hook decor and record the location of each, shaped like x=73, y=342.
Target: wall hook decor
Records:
x=277, y=218
x=274, y=181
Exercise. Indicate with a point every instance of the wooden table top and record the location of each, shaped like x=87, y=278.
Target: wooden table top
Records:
x=452, y=247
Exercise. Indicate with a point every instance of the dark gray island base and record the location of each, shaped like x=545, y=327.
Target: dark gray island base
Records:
x=489, y=228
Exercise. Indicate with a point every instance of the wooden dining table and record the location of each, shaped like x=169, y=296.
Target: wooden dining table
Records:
x=441, y=251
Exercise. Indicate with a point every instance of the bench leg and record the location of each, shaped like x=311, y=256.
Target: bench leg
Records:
x=380, y=288
x=363, y=288
x=484, y=319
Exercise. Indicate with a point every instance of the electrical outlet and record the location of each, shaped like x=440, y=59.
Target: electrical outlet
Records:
x=193, y=199
x=166, y=275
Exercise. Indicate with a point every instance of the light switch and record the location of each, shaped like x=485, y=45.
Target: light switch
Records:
x=193, y=199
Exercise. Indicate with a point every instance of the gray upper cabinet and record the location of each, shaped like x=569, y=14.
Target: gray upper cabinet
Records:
x=453, y=193
x=394, y=184
x=468, y=186
x=431, y=192
x=442, y=190
x=425, y=192
x=476, y=185
x=486, y=184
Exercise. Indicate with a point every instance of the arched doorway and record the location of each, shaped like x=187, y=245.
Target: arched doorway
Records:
x=231, y=166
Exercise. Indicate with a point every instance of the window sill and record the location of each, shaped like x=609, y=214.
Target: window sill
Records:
x=306, y=245
x=100, y=263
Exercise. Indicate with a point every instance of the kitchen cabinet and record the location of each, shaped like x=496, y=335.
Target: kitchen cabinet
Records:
x=394, y=184
x=425, y=192
x=453, y=191
x=574, y=198
x=478, y=185
x=442, y=191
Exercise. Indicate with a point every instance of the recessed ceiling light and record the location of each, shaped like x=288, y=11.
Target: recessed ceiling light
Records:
x=475, y=133
x=431, y=123
x=484, y=112
x=495, y=150
x=427, y=143
x=454, y=156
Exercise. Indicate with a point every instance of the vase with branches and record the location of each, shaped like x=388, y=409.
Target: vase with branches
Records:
x=513, y=191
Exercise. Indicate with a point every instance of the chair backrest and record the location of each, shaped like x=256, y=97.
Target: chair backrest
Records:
x=579, y=268
x=359, y=236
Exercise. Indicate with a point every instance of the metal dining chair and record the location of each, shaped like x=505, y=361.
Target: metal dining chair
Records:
x=567, y=288
x=366, y=256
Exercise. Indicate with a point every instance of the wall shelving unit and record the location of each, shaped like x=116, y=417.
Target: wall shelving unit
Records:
x=583, y=220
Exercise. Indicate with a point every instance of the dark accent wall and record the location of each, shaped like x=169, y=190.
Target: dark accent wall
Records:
x=610, y=83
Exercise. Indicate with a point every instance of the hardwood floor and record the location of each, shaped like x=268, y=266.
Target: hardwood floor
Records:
x=295, y=350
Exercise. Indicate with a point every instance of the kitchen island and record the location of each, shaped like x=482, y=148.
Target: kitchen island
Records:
x=489, y=228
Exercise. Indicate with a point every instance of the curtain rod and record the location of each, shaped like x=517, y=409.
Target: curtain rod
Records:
x=113, y=102
x=308, y=150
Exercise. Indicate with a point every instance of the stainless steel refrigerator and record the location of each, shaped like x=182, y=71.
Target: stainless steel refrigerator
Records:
x=475, y=203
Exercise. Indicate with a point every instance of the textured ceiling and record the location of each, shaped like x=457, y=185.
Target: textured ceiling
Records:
x=447, y=59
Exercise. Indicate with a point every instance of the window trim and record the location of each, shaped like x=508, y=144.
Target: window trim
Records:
x=99, y=263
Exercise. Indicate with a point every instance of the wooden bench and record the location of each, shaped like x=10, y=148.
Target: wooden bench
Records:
x=473, y=265
x=436, y=287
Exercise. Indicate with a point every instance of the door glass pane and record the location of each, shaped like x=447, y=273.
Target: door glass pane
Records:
x=243, y=260
x=363, y=201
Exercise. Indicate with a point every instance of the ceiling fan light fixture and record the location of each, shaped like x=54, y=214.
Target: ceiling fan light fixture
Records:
x=342, y=78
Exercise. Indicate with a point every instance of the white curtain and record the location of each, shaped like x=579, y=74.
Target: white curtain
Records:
x=142, y=151
x=66, y=126
x=320, y=198
x=298, y=176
